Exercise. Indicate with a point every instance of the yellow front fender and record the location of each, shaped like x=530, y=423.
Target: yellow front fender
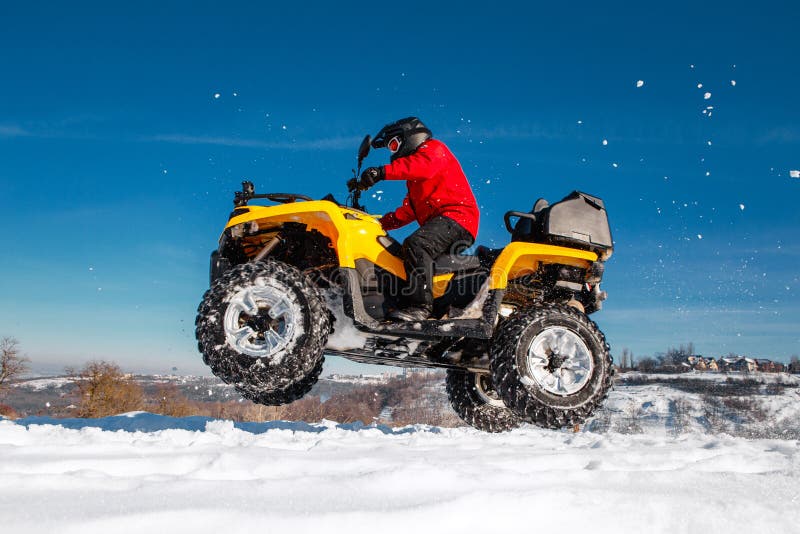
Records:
x=520, y=258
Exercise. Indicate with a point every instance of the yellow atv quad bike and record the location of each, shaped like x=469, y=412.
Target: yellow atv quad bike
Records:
x=293, y=281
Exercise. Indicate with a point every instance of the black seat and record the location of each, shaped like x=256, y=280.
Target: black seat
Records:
x=455, y=263
x=487, y=255
x=444, y=264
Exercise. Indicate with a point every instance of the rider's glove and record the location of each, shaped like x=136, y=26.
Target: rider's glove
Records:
x=370, y=177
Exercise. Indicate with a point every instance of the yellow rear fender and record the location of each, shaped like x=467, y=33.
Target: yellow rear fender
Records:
x=520, y=259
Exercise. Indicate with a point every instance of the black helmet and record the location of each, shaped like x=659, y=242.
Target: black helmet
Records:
x=410, y=132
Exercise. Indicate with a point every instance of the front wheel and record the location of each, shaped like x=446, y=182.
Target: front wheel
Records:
x=551, y=365
x=262, y=327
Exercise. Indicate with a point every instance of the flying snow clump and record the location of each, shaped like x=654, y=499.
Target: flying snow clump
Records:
x=216, y=95
x=733, y=83
x=794, y=174
x=605, y=142
x=707, y=96
x=741, y=207
x=639, y=83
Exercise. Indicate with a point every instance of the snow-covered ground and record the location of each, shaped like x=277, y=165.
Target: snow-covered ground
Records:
x=705, y=404
x=707, y=376
x=142, y=472
x=38, y=384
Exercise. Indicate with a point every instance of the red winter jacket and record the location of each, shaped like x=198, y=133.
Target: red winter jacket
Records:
x=436, y=186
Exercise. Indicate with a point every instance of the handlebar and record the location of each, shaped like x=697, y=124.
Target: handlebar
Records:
x=354, y=200
x=241, y=198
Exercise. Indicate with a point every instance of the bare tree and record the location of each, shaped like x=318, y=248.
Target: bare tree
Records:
x=105, y=390
x=12, y=364
x=647, y=364
x=673, y=359
x=624, y=360
x=170, y=401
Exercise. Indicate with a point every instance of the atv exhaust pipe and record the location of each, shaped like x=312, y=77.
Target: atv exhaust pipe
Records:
x=269, y=247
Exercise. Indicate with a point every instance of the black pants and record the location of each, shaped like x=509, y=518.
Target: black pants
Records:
x=440, y=235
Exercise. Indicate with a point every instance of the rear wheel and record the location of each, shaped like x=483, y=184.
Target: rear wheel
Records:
x=262, y=327
x=475, y=401
x=551, y=365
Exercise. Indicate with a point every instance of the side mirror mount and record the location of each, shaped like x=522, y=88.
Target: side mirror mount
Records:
x=248, y=188
x=363, y=150
x=355, y=194
x=240, y=198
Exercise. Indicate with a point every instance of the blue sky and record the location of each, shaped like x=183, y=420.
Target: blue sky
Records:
x=118, y=163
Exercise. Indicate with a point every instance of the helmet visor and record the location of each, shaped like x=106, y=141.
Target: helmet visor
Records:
x=394, y=144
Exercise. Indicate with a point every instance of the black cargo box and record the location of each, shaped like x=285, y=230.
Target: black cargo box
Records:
x=580, y=221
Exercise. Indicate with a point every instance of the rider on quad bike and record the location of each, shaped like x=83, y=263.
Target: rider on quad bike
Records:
x=298, y=278
x=439, y=198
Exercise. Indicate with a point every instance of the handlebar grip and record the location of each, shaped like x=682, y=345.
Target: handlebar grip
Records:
x=521, y=214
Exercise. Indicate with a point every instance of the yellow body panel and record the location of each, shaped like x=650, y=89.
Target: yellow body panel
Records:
x=520, y=258
x=354, y=235
x=440, y=283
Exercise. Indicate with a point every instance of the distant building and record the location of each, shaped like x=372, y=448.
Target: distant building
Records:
x=726, y=364
x=768, y=366
x=738, y=364
x=700, y=363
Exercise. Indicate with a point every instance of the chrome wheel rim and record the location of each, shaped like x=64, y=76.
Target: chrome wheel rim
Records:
x=485, y=391
x=260, y=320
x=559, y=361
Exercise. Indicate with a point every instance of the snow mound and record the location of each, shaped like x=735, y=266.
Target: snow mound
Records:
x=138, y=470
x=148, y=422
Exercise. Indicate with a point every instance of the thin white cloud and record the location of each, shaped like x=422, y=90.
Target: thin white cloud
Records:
x=10, y=130
x=332, y=143
x=783, y=134
x=526, y=131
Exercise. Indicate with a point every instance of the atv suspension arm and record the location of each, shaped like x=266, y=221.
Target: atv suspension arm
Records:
x=269, y=247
